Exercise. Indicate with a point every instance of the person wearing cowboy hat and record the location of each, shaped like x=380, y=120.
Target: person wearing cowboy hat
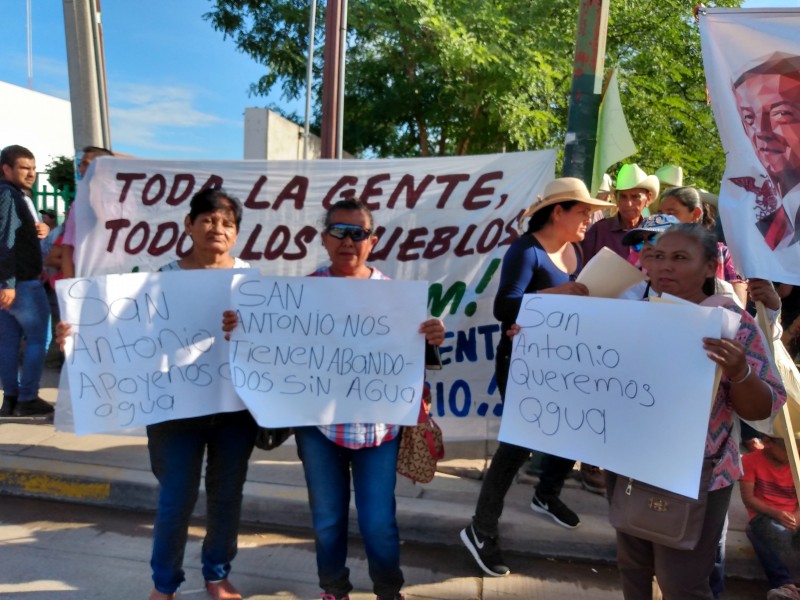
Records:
x=545, y=259
x=636, y=190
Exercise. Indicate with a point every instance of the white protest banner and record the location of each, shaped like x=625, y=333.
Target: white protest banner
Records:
x=324, y=350
x=623, y=385
x=146, y=348
x=447, y=221
x=755, y=93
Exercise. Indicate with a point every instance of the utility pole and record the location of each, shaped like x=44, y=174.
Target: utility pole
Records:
x=331, y=79
x=586, y=92
x=87, y=74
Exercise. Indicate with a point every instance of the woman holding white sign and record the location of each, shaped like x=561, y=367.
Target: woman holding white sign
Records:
x=369, y=450
x=177, y=447
x=546, y=260
x=683, y=264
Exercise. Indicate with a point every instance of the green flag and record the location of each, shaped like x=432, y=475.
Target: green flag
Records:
x=614, y=141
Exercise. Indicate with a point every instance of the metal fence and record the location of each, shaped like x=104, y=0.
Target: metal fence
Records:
x=47, y=196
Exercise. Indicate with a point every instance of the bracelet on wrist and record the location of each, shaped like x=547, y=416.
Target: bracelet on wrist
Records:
x=743, y=377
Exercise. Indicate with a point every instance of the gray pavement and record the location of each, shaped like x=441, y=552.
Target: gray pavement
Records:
x=113, y=471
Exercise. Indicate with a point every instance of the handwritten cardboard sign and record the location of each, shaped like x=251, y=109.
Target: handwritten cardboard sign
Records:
x=146, y=348
x=623, y=385
x=320, y=350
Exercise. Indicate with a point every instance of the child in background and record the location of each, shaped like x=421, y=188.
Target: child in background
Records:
x=768, y=494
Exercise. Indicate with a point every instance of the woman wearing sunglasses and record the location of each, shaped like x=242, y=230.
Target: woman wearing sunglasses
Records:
x=330, y=453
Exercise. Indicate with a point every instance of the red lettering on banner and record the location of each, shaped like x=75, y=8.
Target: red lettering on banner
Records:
x=157, y=247
x=485, y=243
x=387, y=242
x=478, y=190
x=174, y=198
x=404, y=252
x=295, y=190
x=128, y=179
x=349, y=193
x=452, y=182
x=156, y=179
x=461, y=248
x=277, y=243
x=134, y=246
x=412, y=194
x=114, y=226
x=251, y=201
x=156, y=185
x=214, y=183
x=441, y=240
x=511, y=230
x=184, y=245
x=440, y=244
x=301, y=239
x=371, y=190
x=248, y=253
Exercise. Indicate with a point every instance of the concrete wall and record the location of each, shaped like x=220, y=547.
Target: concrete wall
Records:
x=267, y=135
x=41, y=123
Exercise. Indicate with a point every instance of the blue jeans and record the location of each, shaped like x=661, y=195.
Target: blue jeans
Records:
x=327, y=468
x=176, y=457
x=28, y=318
x=776, y=547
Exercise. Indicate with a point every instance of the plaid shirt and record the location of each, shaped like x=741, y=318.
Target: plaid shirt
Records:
x=358, y=435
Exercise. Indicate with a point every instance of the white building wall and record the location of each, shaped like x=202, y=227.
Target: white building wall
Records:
x=267, y=135
x=41, y=123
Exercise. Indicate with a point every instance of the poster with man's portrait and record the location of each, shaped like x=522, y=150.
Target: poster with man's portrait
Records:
x=752, y=65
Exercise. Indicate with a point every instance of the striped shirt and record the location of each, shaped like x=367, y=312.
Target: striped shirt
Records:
x=358, y=435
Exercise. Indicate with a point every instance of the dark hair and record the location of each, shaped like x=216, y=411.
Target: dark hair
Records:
x=349, y=204
x=708, y=243
x=97, y=151
x=209, y=200
x=541, y=217
x=690, y=198
x=10, y=154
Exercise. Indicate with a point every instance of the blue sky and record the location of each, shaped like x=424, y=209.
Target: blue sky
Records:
x=176, y=88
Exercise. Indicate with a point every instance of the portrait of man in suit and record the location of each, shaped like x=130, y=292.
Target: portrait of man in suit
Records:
x=768, y=101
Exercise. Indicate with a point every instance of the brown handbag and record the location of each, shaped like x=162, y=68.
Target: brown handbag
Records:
x=660, y=516
x=421, y=447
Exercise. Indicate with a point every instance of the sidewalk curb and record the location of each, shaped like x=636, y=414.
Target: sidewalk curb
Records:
x=432, y=514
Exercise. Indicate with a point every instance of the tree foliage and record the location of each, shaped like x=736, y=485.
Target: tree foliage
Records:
x=450, y=77
x=61, y=172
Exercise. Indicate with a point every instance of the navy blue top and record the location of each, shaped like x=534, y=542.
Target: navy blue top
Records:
x=527, y=268
x=20, y=251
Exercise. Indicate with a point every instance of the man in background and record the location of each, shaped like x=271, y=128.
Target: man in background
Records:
x=768, y=100
x=24, y=309
x=68, y=242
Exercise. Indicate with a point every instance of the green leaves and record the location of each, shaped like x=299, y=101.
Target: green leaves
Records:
x=442, y=77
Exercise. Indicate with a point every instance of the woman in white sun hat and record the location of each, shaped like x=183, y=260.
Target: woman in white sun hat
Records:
x=545, y=259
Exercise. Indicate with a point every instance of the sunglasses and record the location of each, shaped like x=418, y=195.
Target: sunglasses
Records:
x=341, y=231
x=651, y=239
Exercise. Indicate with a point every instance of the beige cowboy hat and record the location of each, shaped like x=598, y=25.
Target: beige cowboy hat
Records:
x=559, y=190
x=606, y=189
x=631, y=176
x=670, y=176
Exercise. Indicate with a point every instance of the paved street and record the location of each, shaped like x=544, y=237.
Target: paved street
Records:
x=66, y=551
